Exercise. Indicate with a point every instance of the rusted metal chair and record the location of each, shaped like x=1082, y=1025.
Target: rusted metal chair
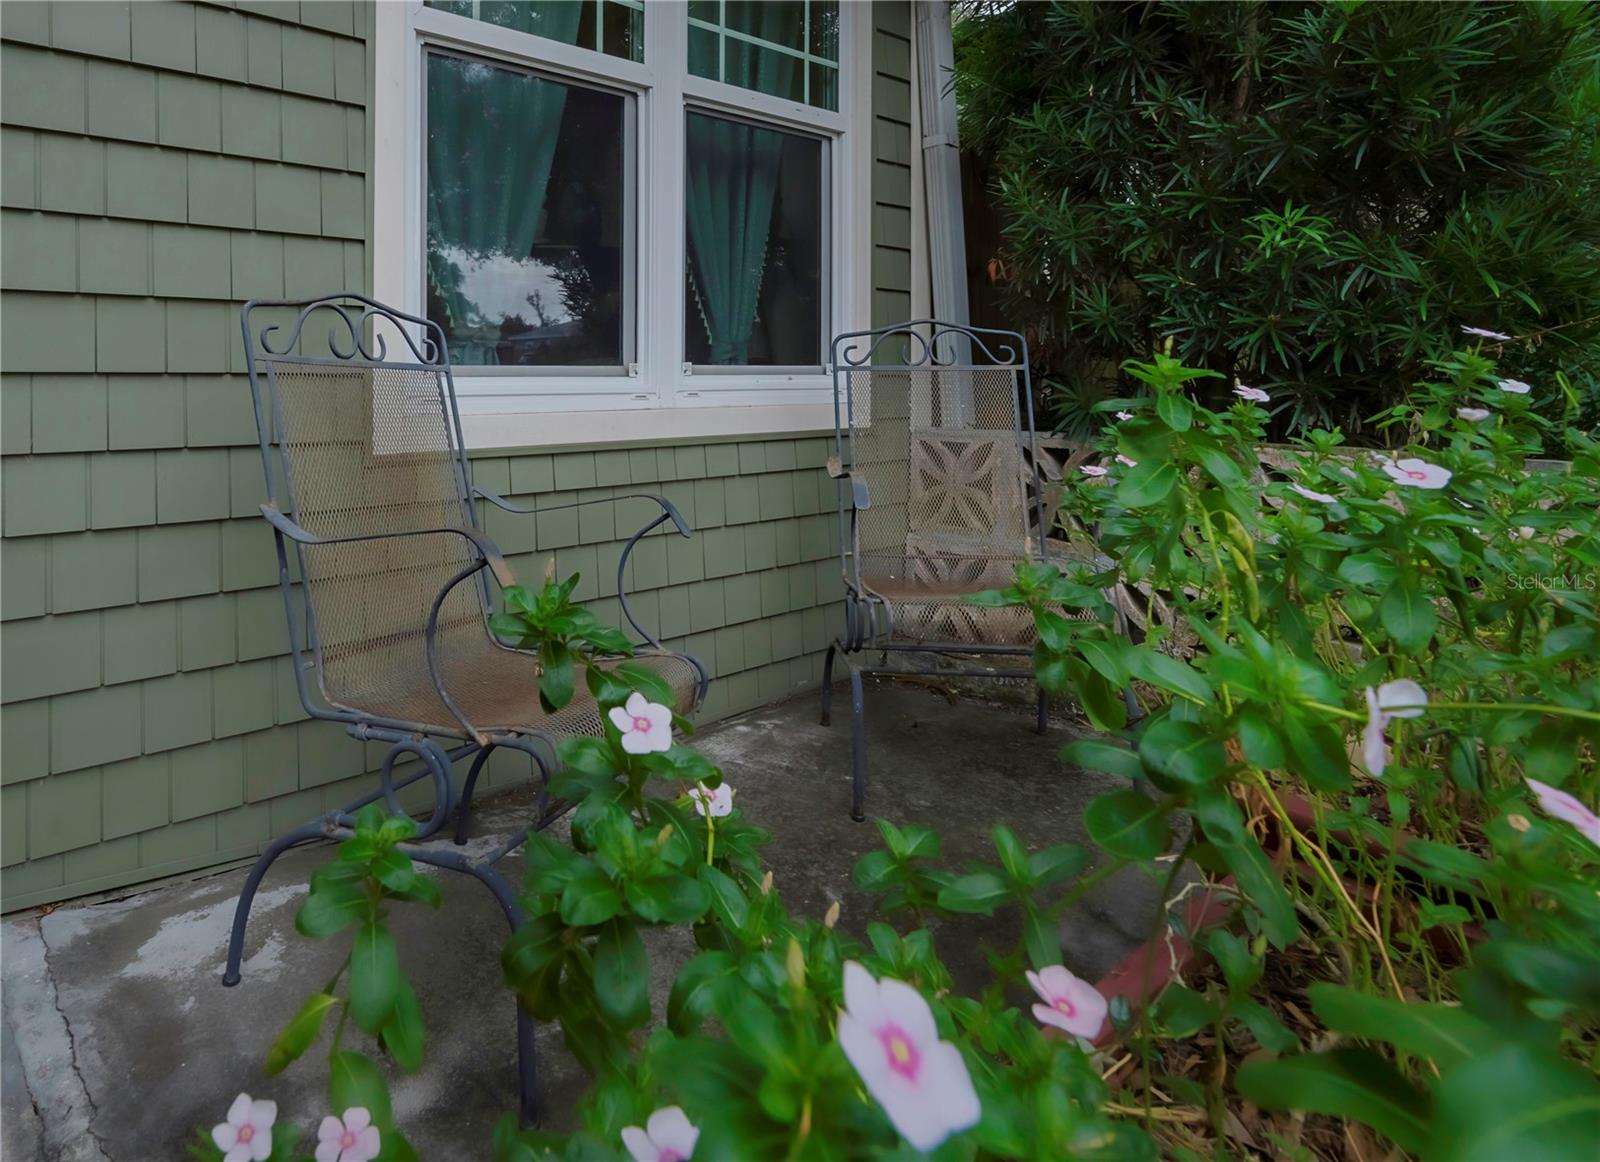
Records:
x=940, y=496
x=383, y=567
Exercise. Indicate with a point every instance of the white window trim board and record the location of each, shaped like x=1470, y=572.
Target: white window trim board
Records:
x=664, y=399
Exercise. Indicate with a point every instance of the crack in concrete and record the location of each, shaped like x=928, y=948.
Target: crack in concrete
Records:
x=47, y=1050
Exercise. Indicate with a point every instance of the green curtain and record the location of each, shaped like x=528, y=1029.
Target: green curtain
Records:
x=491, y=141
x=732, y=189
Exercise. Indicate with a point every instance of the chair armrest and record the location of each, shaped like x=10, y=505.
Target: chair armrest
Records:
x=487, y=549
x=860, y=494
x=668, y=509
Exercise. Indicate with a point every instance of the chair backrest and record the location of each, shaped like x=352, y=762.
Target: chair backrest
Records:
x=939, y=420
x=356, y=443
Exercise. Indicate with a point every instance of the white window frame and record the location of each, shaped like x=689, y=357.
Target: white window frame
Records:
x=661, y=396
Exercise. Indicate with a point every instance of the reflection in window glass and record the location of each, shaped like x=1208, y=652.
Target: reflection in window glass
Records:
x=525, y=259
x=786, y=48
x=614, y=27
x=754, y=227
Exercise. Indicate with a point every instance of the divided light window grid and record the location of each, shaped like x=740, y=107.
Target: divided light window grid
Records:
x=536, y=234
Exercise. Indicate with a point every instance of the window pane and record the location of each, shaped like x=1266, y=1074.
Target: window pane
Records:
x=788, y=48
x=611, y=26
x=525, y=199
x=754, y=226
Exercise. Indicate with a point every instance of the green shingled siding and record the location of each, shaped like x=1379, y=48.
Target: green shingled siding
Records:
x=162, y=162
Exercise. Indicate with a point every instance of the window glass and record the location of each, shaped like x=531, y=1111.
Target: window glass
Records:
x=787, y=48
x=614, y=27
x=753, y=224
x=526, y=261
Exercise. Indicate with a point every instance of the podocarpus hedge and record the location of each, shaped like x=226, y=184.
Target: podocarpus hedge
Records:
x=1298, y=193
x=1397, y=685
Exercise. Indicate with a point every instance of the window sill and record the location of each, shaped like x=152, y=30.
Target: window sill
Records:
x=641, y=425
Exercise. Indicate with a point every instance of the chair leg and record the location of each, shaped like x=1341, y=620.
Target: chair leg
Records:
x=858, y=748
x=1044, y=712
x=528, y=1106
x=241, y=912
x=827, y=684
x=464, y=810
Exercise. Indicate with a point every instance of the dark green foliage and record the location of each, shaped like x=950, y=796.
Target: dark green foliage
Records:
x=1310, y=198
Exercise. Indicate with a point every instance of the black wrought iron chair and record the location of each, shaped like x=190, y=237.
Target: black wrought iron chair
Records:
x=939, y=496
x=382, y=564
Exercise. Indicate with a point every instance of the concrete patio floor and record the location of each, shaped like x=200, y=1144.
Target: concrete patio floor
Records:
x=120, y=1039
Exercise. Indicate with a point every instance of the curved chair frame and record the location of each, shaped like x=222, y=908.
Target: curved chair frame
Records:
x=358, y=337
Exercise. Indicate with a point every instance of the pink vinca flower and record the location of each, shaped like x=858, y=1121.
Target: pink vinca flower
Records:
x=708, y=801
x=1416, y=473
x=352, y=1138
x=1312, y=494
x=668, y=1136
x=1557, y=804
x=1121, y=459
x=1514, y=386
x=247, y=1134
x=1124, y=415
x=1472, y=415
x=1253, y=394
x=1497, y=336
x=1070, y=1004
x=887, y=1031
x=1092, y=470
x=645, y=726
x=1400, y=699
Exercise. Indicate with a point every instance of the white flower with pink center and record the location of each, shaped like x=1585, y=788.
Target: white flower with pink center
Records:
x=1514, y=386
x=1497, y=336
x=1253, y=394
x=645, y=726
x=1311, y=494
x=1558, y=804
x=1473, y=415
x=717, y=801
x=1069, y=1003
x=1124, y=415
x=1416, y=473
x=1121, y=459
x=247, y=1134
x=668, y=1136
x=888, y=1033
x=1398, y=699
x=352, y=1138
x=1091, y=470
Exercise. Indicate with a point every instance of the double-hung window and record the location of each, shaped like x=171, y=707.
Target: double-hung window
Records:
x=623, y=204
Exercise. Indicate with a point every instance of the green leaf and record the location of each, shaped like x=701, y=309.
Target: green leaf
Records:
x=1055, y=631
x=647, y=681
x=1175, y=411
x=667, y=899
x=374, y=976
x=1168, y=673
x=1040, y=937
x=589, y=897
x=1407, y=613
x=1346, y=1083
x=1013, y=856
x=1147, y=483
x=1101, y=701
x=1219, y=465
x=1181, y=754
x=1270, y=1033
x=1259, y=739
x=556, y=678
x=1239, y=967
x=1097, y=755
x=1054, y=864
x=1127, y=823
x=727, y=899
x=331, y=907
x=622, y=974
x=1515, y=1102
x=1318, y=751
x=1444, y=1034
x=1183, y=1012
x=979, y=891
x=402, y=1036
x=299, y=1034
x=354, y=1080
x=693, y=995
x=1261, y=884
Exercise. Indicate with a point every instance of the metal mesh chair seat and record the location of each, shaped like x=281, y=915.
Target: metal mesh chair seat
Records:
x=498, y=690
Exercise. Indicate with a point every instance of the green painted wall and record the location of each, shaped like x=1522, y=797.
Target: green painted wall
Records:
x=164, y=161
